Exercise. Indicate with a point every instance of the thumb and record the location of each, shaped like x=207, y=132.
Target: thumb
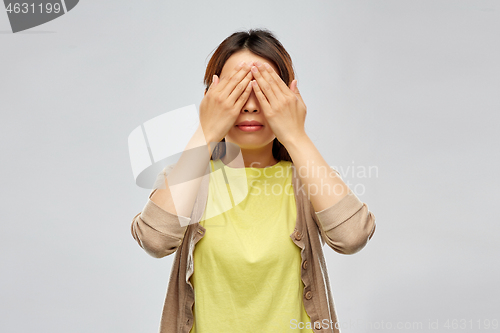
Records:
x=293, y=87
x=214, y=82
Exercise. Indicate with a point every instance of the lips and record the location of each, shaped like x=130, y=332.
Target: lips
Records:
x=250, y=126
x=249, y=123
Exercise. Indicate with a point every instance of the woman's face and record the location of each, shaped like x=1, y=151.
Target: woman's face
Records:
x=251, y=110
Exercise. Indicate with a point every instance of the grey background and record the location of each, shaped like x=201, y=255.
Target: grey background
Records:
x=410, y=87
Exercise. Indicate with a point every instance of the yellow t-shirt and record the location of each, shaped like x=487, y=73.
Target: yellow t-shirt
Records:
x=246, y=268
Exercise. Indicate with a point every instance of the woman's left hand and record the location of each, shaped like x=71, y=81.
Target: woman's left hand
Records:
x=283, y=107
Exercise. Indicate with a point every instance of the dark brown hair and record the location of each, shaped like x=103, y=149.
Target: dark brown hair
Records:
x=263, y=43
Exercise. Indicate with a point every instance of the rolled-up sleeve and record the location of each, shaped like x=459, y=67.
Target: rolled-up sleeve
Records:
x=346, y=226
x=157, y=231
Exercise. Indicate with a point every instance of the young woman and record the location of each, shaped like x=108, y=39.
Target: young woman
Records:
x=250, y=204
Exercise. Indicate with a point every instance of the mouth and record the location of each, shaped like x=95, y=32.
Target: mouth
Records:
x=249, y=125
x=249, y=128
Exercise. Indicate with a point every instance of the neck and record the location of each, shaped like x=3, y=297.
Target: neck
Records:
x=255, y=158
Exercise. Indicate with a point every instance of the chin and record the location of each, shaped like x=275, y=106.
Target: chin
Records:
x=248, y=143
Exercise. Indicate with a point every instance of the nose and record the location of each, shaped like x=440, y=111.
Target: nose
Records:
x=252, y=104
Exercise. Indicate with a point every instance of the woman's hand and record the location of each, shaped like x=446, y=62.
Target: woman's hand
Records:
x=283, y=106
x=223, y=102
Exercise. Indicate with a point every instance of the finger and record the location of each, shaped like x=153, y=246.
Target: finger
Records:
x=263, y=101
x=264, y=86
x=244, y=96
x=228, y=84
x=214, y=82
x=279, y=81
x=272, y=82
x=240, y=88
x=295, y=89
x=224, y=79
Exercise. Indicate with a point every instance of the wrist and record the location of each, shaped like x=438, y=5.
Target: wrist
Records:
x=205, y=136
x=294, y=140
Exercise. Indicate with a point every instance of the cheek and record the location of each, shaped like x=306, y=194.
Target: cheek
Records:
x=269, y=132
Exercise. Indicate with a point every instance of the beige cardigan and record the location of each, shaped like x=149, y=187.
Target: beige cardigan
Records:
x=346, y=227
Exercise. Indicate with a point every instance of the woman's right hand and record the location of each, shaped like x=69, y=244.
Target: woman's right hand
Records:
x=223, y=101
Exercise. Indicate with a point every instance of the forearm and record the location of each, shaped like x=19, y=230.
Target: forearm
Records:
x=183, y=182
x=322, y=185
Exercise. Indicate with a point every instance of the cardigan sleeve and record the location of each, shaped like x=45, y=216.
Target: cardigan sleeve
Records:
x=157, y=231
x=346, y=226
